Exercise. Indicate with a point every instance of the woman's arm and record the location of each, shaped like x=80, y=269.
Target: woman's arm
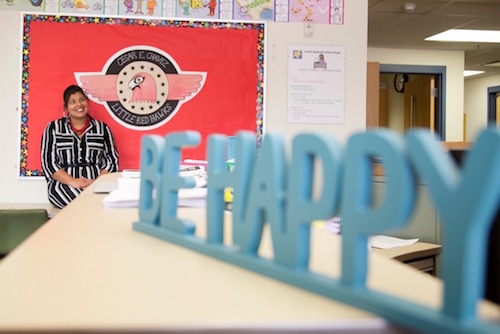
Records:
x=110, y=152
x=48, y=150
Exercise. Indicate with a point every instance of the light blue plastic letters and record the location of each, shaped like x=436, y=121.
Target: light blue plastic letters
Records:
x=360, y=218
x=301, y=207
x=466, y=201
x=268, y=189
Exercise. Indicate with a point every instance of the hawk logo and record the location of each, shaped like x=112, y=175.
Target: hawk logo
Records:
x=141, y=87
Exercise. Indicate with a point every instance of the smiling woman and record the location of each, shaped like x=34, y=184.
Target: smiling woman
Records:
x=75, y=150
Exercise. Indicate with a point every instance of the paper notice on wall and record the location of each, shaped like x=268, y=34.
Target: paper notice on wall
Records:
x=316, y=84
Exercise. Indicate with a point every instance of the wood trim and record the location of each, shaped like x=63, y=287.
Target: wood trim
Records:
x=378, y=168
x=372, y=94
x=456, y=145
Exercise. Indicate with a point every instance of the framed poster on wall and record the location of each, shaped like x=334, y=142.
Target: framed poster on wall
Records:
x=206, y=76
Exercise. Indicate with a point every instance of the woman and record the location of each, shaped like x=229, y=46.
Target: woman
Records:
x=76, y=149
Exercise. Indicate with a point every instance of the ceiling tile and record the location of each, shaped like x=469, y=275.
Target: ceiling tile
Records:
x=389, y=26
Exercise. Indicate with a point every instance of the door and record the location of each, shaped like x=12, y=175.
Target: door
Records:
x=419, y=103
x=497, y=103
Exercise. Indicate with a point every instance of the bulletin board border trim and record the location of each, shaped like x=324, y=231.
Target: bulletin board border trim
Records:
x=28, y=18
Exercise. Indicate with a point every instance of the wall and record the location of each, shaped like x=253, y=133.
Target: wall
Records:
x=279, y=35
x=476, y=103
x=13, y=189
x=355, y=80
x=454, y=62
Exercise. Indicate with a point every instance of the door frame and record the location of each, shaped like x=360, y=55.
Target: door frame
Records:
x=492, y=104
x=440, y=73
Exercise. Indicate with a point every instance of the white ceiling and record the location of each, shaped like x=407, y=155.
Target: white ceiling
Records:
x=391, y=26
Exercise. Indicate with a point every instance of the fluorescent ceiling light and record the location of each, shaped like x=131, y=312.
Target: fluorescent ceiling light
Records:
x=467, y=35
x=468, y=73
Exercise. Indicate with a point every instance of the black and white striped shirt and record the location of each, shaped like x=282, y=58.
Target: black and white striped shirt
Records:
x=79, y=157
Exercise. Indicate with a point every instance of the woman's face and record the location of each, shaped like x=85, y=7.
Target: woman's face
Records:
x=77, y=106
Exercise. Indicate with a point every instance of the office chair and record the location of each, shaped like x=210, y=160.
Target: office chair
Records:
x=18, y=224
x=492, y=277
x=492, y=289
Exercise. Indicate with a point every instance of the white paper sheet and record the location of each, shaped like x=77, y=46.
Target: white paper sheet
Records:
x=386, y=242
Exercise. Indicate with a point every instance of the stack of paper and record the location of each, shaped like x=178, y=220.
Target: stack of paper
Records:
x=197, y=172
x=195, y=162
x=129, y=184
x=192, y=197
x=121, y=198
x=189, y=197
x=131, y=173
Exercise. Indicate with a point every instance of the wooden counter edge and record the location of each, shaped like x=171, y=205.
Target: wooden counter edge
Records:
x=407, y=253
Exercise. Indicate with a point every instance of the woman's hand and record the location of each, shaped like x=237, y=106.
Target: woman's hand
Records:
x=81, y=183
x=78, y=183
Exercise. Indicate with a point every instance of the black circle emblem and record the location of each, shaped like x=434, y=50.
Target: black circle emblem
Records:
x=142, y=88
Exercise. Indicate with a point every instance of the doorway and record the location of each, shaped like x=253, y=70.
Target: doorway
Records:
x=428, y=110
x=494, y=105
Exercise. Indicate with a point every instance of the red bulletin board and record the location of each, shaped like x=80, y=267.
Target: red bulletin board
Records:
x=214, y=73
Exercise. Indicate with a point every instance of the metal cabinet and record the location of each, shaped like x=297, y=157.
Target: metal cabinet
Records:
x=424, y=222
